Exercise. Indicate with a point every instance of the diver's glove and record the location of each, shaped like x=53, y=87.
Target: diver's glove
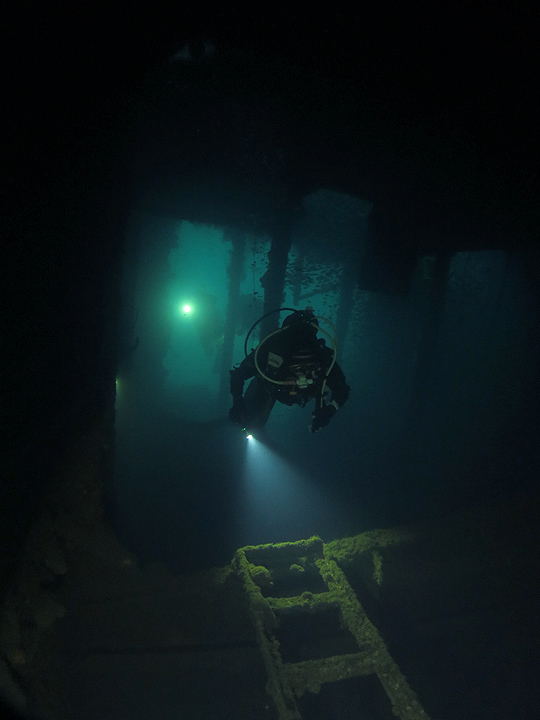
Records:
x=236, y=413
x=321, y=417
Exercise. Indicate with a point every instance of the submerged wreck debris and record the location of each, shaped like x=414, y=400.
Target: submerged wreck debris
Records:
x=312, y=564
x=348, y=548
x=377, y=567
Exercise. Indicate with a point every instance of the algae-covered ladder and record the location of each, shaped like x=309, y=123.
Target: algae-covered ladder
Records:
x=265, y=568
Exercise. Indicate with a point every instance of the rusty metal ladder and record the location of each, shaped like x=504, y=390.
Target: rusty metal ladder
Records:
x=260, y=567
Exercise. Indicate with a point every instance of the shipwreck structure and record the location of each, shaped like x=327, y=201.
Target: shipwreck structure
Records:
x=337, y=159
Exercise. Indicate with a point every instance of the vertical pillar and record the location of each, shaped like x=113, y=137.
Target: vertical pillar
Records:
x=235, y=272
x=424, y=368
x=348, y=282
x=354, y=253
x=298, y=275
x=273, y=280
x=430, y=335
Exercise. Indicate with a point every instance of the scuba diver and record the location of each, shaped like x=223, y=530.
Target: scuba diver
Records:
x=293, y=366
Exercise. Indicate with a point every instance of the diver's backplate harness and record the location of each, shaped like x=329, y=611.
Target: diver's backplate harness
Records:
x=305, y=373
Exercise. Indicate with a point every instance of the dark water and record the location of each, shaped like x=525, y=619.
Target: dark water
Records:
x=189, y=488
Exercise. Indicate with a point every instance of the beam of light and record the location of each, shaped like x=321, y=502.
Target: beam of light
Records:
x=279, y=503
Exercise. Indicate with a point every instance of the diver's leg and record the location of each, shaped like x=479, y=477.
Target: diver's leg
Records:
x=258, y=404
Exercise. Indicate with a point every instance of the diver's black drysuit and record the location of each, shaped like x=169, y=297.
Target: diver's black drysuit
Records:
x=296, y=356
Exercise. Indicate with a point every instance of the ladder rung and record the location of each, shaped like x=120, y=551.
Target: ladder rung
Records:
x=288, y=681
x=307, y=602
x=311, y=674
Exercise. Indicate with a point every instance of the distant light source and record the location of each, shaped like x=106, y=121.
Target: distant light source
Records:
x=249, y=437
x=186, y=309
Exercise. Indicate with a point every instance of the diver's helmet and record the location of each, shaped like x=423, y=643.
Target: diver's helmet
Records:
x=306, y=317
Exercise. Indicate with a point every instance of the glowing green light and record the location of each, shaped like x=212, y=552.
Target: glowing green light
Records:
x=185, y=308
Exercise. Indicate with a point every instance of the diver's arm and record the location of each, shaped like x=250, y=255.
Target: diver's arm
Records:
x=322, y=414
x=338, y=385
x=240, y=374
